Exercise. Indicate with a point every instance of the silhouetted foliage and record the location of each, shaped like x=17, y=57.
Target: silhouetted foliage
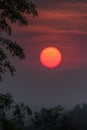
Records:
x=79, y=115
x=12, y=115
x=12, y=11
x=53, y=119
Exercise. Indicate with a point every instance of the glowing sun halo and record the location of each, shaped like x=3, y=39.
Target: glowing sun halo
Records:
x=50, y=57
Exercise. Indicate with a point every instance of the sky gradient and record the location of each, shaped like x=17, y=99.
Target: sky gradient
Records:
x=62, y=24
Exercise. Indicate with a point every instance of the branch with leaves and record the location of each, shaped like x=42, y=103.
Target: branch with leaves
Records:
x=18, y=113
x=12, y=11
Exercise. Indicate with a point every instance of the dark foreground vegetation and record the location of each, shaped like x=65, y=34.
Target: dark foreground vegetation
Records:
x=58, y=119
x=13, y=115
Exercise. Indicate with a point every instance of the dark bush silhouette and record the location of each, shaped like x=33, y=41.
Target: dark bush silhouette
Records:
x=48, y=118
x=12, y=115
x=53, y=119
x=79, y=115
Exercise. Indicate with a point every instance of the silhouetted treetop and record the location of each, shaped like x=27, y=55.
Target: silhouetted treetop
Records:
x=18, y=112
x=52, y=119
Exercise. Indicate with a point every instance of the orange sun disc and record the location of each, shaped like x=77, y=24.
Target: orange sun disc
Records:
x=50, y=57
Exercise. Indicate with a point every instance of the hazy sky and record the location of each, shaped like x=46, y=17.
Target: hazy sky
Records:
x=62, y=24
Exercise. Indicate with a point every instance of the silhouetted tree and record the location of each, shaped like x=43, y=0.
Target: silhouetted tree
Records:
x=11, y=114
x=12, y=11
x=52, y=119
x=79, y=115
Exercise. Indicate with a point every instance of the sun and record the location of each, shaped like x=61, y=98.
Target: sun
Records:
x=50, y=57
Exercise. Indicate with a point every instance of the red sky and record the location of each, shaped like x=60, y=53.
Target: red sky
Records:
x=62, y=24
x=59, y=24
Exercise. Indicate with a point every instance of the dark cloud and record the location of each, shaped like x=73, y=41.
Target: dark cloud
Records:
x=60, y=4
